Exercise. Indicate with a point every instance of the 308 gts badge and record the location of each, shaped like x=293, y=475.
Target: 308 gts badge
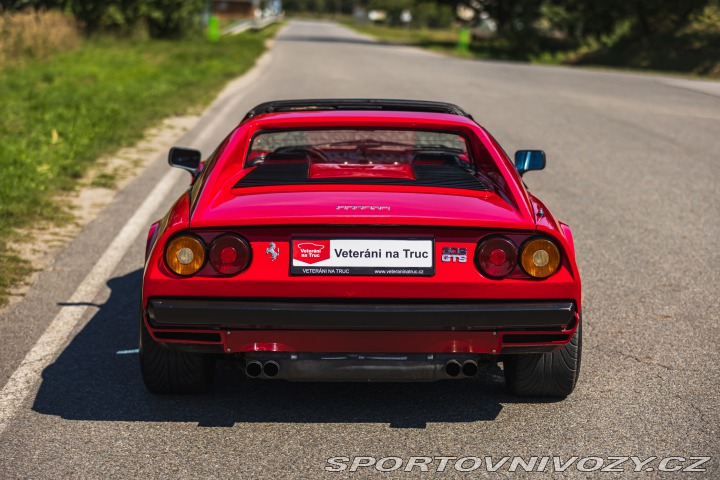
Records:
x=454, y=254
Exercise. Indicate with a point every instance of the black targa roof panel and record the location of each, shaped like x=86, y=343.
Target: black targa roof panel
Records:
x=356, y=104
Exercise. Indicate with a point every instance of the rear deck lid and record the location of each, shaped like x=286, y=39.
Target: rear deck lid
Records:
x=353, y=204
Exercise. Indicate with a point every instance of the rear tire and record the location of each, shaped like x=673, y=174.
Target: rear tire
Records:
x=553, y=374
x=167, y=371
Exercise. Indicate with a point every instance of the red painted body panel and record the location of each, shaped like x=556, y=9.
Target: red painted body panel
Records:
x=452, y=217
x=268, y=278
x=310, y=205
x=371, y=171
x=333, y=341
x=230, y=165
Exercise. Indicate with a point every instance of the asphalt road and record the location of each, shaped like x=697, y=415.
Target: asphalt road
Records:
x=632, y=167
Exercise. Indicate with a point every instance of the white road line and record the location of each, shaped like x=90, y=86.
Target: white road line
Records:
x=57, y=333
x=128, y=352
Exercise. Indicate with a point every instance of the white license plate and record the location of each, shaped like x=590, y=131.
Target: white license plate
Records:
x=384, y=257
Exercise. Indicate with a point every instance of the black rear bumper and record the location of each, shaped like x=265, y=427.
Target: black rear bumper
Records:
x=368, y=315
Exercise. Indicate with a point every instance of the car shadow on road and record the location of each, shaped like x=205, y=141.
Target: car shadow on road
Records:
x=97, y=378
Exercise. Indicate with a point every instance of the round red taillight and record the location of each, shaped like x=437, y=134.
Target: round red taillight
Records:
x=496, y=257
x=229, y=254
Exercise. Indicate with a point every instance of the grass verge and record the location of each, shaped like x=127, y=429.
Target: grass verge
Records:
x=537, y=49
x=695, y=53
x=422, y=37
x=59, y=115
x=689, y=53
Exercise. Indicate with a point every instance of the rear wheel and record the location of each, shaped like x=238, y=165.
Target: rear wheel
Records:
x=167, y=371
x=551, y=374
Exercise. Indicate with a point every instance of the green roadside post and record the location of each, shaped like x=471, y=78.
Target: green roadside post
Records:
x=213, y=28
x=463, y=44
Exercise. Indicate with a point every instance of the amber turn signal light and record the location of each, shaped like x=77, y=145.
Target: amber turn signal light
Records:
x=185, y=255
x=540, y=258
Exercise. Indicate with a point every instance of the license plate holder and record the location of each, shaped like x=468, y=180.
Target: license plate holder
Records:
x=397, y=257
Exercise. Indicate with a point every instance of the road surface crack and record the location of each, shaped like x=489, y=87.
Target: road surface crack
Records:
x=645, y=361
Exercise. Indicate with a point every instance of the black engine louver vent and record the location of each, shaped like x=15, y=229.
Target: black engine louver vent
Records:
x=444, y=176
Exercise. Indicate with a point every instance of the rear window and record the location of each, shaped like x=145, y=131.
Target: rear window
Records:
x=358, y=147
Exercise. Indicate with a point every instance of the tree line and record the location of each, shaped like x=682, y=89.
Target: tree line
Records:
x=161, y=18
x=576, y=19
x=582, y=18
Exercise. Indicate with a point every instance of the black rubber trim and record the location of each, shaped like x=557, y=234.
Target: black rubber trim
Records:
x=378, y=316
x=529, y=349
x=510, y=338
x=356, y=104
x=193, y=347
x=188, y=336
x=443, y=176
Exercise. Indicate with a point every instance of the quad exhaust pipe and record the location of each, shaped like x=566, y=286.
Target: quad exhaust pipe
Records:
x=469, y=368
x=453, y=368
x=254, y=368
x=271, y=368
x=361, y=367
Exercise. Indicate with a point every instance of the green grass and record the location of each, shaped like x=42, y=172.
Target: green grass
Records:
x=105, y=180
x=410, y=36
x=689, y=53
x=445, y=41
x=58, y=116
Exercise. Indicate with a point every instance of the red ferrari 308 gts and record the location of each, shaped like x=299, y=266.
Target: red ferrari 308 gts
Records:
x=360, y=240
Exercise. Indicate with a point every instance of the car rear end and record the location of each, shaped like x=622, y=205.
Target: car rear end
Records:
x=338, y=270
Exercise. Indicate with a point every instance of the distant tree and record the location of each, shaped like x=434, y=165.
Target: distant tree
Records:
x=647, y=18
x=662, y=16
x=295, y=6
x=393, y=8
x=15, y=5
x=173, y=18
x=108, y=15
x=580, y=19
x=432, y=15
x=164, y=18
x=512, y=16
x=319, y=6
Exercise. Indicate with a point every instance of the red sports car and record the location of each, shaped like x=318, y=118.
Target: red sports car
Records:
x=360, y=240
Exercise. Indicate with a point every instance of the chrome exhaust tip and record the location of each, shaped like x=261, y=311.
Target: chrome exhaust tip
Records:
x=253, y=369
x=469, y=368
x=271, y=368
x=452, y=368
